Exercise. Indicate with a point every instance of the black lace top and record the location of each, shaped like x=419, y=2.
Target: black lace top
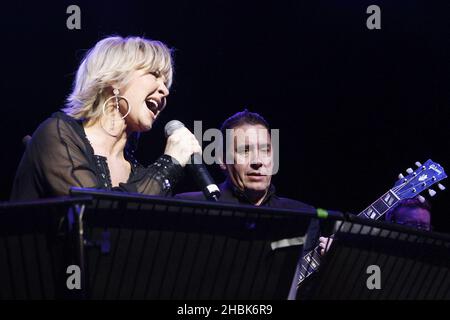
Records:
x=60, y=156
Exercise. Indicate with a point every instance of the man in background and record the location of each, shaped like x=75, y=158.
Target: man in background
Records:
x=411, y=213
x=249, y=173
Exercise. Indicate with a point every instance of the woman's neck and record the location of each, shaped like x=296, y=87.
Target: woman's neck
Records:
x=106, y=142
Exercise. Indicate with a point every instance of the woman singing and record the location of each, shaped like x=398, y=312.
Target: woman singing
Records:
x=120, y=88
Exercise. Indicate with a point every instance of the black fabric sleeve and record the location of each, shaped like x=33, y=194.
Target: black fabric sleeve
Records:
x=54, y=160
x=157, y=179
x=58, y=158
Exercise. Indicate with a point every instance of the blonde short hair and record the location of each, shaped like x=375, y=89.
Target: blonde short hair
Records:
x=113, y=60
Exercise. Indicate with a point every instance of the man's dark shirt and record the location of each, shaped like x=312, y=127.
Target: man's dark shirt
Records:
x=229, y=193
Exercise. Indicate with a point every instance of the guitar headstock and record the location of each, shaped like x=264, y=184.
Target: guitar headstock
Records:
x=418, y=180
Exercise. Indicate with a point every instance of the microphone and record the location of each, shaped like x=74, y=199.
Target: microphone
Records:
x=26, y=139
x=196, y=167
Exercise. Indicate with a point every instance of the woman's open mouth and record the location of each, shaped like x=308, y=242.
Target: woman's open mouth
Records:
x=153, y=105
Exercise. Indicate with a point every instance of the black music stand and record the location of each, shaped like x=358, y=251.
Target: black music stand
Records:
x=36, y=248
x=413, y=264
x=143, y=247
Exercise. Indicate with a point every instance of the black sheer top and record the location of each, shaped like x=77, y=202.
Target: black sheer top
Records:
x=60, y=156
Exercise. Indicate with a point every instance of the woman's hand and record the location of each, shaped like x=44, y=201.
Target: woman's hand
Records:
x=325, y=244
x=181, y=145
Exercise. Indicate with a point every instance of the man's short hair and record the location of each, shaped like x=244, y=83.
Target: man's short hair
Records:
x=413, y=203
x=241, y=118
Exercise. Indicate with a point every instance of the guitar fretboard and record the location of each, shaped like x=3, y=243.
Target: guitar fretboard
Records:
x=380, y=207
x=311, y=260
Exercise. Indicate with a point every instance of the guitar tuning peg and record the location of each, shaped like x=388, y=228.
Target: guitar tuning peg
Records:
x=409, y=171
x=418, y=164
x=441, y=187
x=431, y=192
x=421, y=199
x=400, y=176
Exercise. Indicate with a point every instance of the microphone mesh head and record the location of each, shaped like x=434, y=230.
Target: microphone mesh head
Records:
x=171, y=126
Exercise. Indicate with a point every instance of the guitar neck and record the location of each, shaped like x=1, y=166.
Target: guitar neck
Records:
x=311, y=260
x=380, y=206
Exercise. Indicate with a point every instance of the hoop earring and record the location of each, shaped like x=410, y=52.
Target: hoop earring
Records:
x=117, y=97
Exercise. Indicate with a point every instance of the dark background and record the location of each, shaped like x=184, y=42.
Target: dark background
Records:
x=355, y=107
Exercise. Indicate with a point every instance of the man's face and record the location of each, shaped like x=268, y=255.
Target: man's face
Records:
x=414, y=217
x=252, y=160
